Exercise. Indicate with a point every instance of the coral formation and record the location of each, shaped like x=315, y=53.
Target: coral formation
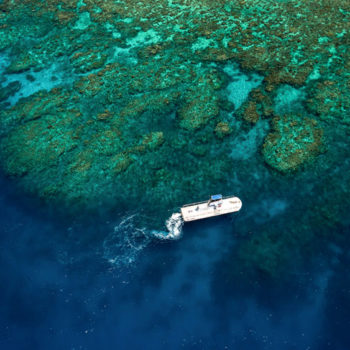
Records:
x=330, y=99
x=222, y=129
x=248, y=112
x=145, y=117
x=293, y=141
x=201, y=103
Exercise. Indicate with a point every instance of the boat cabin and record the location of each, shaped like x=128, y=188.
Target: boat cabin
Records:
x=216, y=199
x=216, y=205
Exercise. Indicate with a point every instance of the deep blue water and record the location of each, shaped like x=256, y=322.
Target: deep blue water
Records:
x=59, y=291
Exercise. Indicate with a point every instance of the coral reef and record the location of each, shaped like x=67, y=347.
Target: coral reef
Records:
x=248, y=112
x=222, y=129
x=145, y=117
x=201, y=103
x=330, y=99
x=293, y=141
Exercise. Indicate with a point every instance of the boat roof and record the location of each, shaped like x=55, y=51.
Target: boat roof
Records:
x=204, y=210
x=215, y=197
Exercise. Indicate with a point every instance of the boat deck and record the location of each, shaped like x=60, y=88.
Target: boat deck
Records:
x=202, y=210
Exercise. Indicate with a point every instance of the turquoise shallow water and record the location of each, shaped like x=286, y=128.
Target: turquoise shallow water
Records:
x=115, y=114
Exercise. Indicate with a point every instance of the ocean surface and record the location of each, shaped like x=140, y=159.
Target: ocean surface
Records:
x=61, y=290
x=114, y=114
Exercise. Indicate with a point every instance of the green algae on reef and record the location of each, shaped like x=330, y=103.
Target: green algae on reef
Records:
x=146, y=117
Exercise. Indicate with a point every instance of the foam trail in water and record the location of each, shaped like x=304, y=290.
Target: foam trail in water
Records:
x=174, y=225
x=122, y=246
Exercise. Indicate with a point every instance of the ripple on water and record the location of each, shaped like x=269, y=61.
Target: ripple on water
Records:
x=123, y=245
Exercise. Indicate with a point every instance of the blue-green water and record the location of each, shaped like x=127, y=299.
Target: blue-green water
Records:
x=115, y=114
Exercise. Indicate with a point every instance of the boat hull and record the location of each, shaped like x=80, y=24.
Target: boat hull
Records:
x=202, y=210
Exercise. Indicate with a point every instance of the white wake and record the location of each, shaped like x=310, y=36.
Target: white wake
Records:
x=122, y=246
x=174, y=226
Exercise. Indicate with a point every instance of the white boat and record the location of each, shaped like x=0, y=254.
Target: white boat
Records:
x=216, y=205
